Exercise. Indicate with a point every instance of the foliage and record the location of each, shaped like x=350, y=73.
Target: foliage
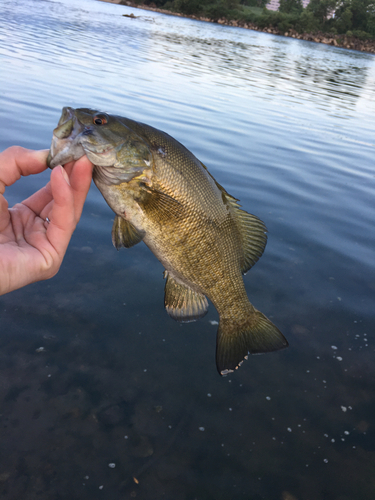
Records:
x=322, y=9
x=356, y=15
x=228, y=9
x=254, y=3
x=307, y=22
x=343, y=20
x=252, y=10
x=188, y=7
x=291, y=6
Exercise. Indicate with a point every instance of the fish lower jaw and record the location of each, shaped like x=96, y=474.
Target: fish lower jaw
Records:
x=63, y=153
x=103, y=152
x=105, y=158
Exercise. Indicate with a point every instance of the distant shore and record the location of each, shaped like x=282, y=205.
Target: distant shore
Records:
x=342, y=41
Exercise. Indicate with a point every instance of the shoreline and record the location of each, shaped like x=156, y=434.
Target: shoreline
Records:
x=341, y=41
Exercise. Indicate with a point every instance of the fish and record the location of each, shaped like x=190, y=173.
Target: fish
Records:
x=163, y=195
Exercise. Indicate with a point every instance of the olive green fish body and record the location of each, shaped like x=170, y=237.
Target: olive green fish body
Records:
x=162, y=194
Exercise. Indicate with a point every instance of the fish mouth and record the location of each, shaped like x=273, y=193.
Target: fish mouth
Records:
x=66, y=146
x=73, y=139
x=117, y=155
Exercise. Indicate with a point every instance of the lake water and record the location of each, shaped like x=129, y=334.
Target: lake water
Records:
x=123, y=402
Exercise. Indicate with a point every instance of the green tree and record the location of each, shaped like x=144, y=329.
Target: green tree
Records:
x=371, y=19
x=231, y=4
x=254, y=3
x=321, y=9
x=343, y=20
x=307, y=22
x=359, y=13
x=355, y=15
x=230, y=9
x=291, y=6
x=189, y=7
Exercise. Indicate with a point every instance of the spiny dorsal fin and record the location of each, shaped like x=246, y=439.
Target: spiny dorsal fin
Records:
x=182, y=303
x=124, y=234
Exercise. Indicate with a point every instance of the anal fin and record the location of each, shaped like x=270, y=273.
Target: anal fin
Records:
x=182, y=303
x=124, y=234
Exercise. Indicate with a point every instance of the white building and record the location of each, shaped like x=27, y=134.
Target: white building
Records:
x=275, y=4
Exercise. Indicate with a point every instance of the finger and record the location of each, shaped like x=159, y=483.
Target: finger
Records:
x=17, y=161
x=39, y=200
x=81, y=175
x=80, y=180
x=62, y=216
x=4, y=214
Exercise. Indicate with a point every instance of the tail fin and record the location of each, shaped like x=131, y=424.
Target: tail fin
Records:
x=235, y=340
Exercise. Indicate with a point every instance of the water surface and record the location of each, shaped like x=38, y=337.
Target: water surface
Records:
x=287, y=127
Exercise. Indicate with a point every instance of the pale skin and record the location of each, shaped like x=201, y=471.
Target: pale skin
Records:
x=32, y=249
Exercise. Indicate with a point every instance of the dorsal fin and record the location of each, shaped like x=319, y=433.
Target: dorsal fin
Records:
x=253, y=234
x=252, y=230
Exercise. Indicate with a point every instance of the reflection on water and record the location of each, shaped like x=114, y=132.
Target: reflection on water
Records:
x=276, y=65
x=101, y=392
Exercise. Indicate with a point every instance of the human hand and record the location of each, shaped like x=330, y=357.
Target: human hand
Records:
x=31, y=248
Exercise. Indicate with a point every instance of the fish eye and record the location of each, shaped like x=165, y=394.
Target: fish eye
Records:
x=100, y=120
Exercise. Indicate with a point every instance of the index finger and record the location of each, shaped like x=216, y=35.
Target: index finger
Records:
x=17, y=161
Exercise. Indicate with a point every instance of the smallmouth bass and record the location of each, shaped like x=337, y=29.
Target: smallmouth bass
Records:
x=163, y=195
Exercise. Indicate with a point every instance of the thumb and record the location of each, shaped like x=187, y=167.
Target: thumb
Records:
x=62, y=216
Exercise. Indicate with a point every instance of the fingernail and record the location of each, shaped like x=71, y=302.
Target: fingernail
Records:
x=65, y=175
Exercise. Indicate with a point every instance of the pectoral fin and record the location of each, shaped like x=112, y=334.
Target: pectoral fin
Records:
x=182, y=303
x=161, y=205
x=124, y=234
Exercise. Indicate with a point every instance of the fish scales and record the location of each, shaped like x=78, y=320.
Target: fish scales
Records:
x=185, y=172
x=163, y=195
